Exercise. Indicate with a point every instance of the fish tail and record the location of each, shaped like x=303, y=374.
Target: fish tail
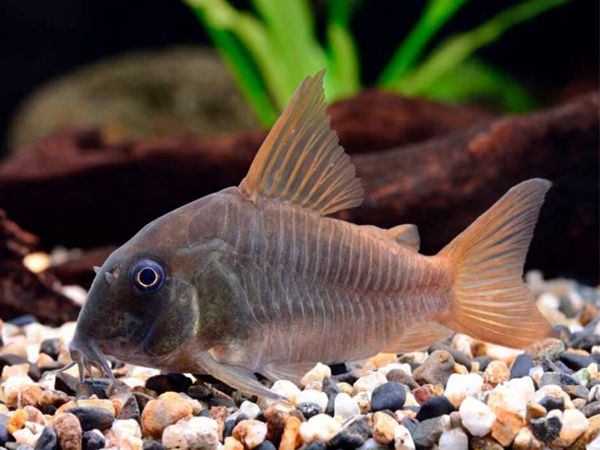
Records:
x=489, y=300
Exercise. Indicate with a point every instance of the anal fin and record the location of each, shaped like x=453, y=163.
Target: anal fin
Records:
x=290, y=371
x=418, y=337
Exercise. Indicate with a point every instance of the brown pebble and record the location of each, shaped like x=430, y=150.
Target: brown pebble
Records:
x=506, y=426
x=251, y=433
x=276, y=416
x=291, y=439
x=13, y=371
x=525, y=440
x=159, y=413
x=53, y=398
x=220, y=414
x=535, y=411
x=484, y=443
x=68, y=431
x=232, y=443
x=17, y=421
x=384, y=428
x=44, y=360
x=495, y=373
x=34, y=415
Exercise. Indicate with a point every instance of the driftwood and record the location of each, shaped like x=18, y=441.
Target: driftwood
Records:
x=75, y=190
x=25, y=292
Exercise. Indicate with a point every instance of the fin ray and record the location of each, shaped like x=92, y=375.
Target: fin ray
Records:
x=301, y=161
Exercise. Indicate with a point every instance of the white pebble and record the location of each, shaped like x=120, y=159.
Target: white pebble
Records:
x=460, y=386
x=574, y=423
x=396, y=366
x=249, y=409
x=536, y=373
x=126, y=427
x=320, y=427
x=286, y=388
x=454, y=439
x=251, y=433
x=345, y=406
x=476, y=416
x=369, y=382
x=317, y=373
x=553, y=390
x=512, y=395
x=313, y=396
x=402, y=439
x=594, y=394
x=500, y=353
x=197, y=432
x=25, y=436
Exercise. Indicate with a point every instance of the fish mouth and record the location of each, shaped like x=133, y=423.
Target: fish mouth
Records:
x=85, y=353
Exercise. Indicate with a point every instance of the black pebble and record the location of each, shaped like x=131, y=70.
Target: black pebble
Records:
x=221, y=401
x=228, y=429
x=575, y=362
x=92, y=440
x=151, y=444
x=345, y=378
x=309, y=409
x=175, y=382
x=483, y=361
x=427, y=433
x=351, y=436
x=99, y=387
x=410, y=424
x=521, y=366
x=3, y=434
x=338, y=369
x=266, y=445
x=199, y=392
x=142, y=400
x=585, y=341
x=47, y=440
x=204, y=413
x=66, y=383
x=51, y=347
x=331, y=389
x=388, y=396
x=400, y=376
x=561, y=379
x=435, y=407
x=591, y=409
x=91, y=417
x=546, y=430
x=130, y=410
x=458, y=356
x=554, y=366
x=551, y=403
x=315, y=445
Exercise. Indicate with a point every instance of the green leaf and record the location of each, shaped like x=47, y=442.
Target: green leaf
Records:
x=343, y=76
x=435, y=15
x=454, y=50
x=475, y=80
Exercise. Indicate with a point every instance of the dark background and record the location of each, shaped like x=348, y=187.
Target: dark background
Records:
x=554, y=55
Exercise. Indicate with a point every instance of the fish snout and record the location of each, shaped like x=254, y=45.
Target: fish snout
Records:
x=85, y=352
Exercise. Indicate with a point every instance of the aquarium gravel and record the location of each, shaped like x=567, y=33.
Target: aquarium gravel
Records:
x=459, y=394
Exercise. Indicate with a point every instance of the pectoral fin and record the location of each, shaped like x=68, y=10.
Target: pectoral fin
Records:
x=291, y=372
x=236, y=377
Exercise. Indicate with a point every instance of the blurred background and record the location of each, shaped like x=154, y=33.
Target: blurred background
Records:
x=112, y=113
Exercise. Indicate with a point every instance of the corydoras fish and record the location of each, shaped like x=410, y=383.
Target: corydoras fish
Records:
x=256, y=279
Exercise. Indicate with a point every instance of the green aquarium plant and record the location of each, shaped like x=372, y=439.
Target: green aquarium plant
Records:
x=272, y=48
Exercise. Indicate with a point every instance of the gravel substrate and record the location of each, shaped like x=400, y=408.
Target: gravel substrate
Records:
x=460, y=394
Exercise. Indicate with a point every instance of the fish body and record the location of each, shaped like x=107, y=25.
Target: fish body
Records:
x=256, y=278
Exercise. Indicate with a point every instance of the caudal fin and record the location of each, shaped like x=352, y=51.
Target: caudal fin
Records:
x=489, y=300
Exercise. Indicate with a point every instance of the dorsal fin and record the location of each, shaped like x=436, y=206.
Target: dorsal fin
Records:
x=300, y=160
x=407, y=234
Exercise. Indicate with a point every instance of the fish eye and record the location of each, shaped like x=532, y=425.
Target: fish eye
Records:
x=147, y=276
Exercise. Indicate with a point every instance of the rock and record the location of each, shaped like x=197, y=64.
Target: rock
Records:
x=495, y=373
x=459, y=357
x=68, y=431
x=483, y=361
x=291, y=439
x=194, y=433
x=512, y=395
x=550, y=403
x=251, y=433
x=130, y=410
x=345, y=406
x=276, y=416
x=313, y=396
x=435, y=407
x=232, y=443
x=575, y=361
x=17, y=421
x=400, y=376
x=460, y=386
x=93, y=417
x=369, y=382
x=384, y=428
x=125, y=434
x=175, y=382
x=51, y=347
x=3, y=433
x=266, y=445
x=352, y=435
x=484, y=443
x=558, y=378
x=167, y=409
x=546, y=348
x=525, y=440
x=476, y=416
x=286, y=388
x=66, y=383
x=93, y=440
x=574, y=423
x=315, y=445
x=428, y=432
x=47, y=440
x=591, y=409
x=151, y=444
x=521, y=366
x=436, y=369
x=535, y=411
x=501, y=353
x=317, y=373
x=331, y=389
x=546, y=430
x=403, y=439
x=309, y=409
x=320, y=427
x=454, y=439
x=371, y=444
x=200, y=392
x=506, y=426
x=576, y=391
x=388, y=396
